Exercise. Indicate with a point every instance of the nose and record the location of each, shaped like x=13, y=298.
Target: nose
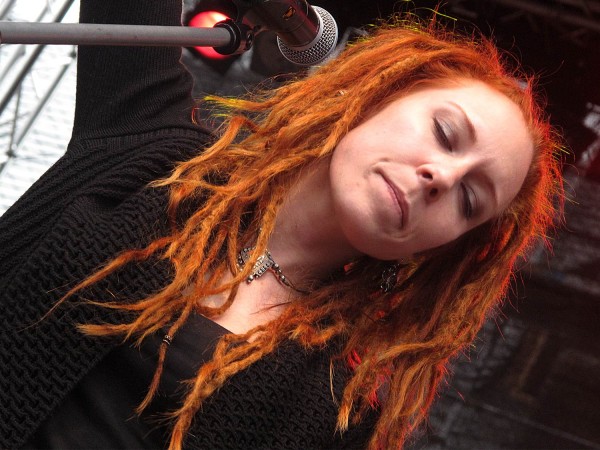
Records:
x=437, y=178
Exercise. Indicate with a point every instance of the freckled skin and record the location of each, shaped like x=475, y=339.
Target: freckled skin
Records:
x=399, y=184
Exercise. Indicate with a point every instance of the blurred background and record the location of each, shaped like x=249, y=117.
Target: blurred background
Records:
x=531, y=380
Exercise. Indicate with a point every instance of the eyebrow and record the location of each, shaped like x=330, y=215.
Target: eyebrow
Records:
x=490, y=187
x=470, y=128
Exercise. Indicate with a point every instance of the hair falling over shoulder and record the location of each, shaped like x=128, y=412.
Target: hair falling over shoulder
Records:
x=404, y=338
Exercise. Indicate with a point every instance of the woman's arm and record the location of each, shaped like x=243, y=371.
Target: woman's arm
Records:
x=127, y=97
x=131, y=90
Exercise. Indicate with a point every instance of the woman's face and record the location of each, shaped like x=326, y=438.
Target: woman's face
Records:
x=427, y=168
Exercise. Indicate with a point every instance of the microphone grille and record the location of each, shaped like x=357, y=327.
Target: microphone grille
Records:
x=320, y=48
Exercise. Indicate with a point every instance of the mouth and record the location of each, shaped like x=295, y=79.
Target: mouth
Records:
x=400, y=200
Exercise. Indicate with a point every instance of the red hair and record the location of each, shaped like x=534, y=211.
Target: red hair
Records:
x=405, y=337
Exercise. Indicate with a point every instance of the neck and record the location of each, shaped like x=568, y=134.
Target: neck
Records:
x=307, y=241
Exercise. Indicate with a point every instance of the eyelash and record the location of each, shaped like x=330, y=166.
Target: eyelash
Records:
x=444, y=141
x=467, y=203
x=441, y=135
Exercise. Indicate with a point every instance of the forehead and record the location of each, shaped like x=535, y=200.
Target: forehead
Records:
x=492, y=114
x=475, y=94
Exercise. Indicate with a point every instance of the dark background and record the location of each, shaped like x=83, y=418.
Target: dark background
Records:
x=531, y=379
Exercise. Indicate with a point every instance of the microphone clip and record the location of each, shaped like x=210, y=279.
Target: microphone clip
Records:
x=242, y=37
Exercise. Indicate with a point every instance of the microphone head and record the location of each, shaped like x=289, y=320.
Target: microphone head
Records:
x=321, y=46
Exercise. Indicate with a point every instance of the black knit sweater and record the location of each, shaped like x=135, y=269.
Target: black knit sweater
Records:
x=132, y=124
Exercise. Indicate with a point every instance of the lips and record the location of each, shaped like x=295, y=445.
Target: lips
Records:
x=400, y=200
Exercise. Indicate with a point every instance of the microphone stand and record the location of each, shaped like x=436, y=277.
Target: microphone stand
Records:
x=227, y=37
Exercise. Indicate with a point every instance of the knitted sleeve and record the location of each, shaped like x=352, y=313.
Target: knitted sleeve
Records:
x=130, y=90
x=132, y=124
x=132, y=121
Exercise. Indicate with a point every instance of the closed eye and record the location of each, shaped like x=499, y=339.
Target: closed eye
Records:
x=441, y=134
x=469, y=200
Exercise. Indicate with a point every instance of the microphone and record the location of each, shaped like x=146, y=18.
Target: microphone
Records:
x=306, y=35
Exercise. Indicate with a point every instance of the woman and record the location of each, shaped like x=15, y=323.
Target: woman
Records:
x=394, y=188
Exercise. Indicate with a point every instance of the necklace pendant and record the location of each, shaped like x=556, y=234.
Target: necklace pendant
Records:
x=261, y=266
x=264, y=263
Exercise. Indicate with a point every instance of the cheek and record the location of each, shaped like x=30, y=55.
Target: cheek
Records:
x=351, y=147
x=439, y=226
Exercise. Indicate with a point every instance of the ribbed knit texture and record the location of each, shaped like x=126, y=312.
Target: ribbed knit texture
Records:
x=132, y=124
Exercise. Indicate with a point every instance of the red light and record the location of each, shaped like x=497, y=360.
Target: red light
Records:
x=207, y=19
